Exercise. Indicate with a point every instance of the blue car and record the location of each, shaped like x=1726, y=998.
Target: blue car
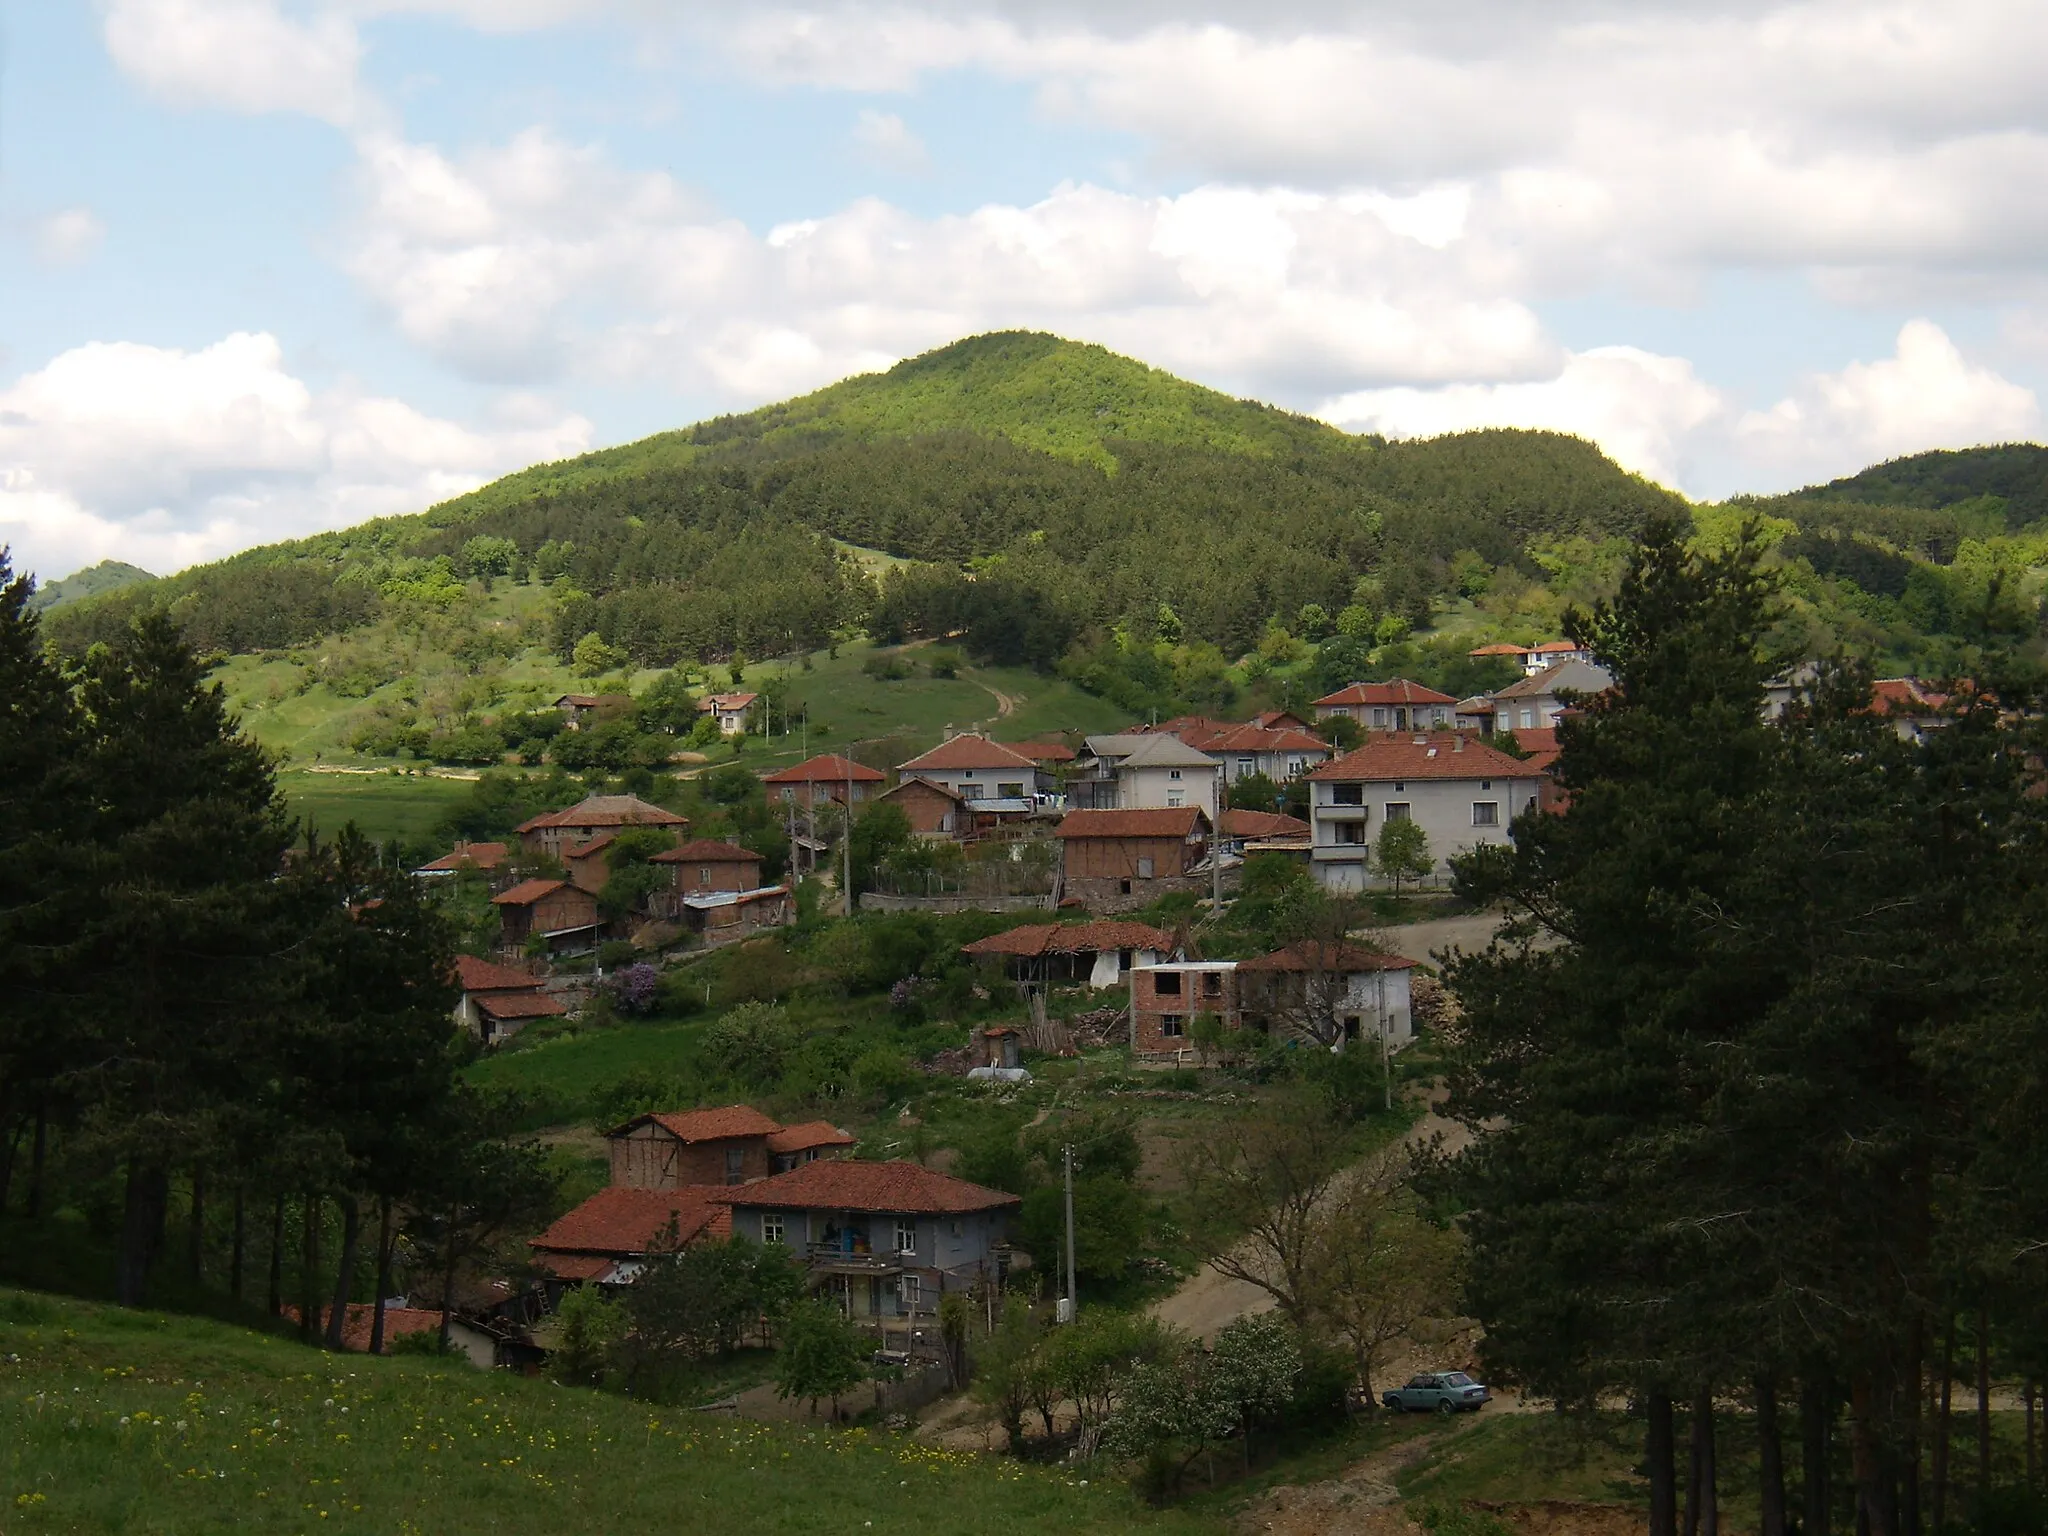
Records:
x=1438, y=1392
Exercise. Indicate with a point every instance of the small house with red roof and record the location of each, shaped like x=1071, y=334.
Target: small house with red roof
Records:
x=1329, y=989
x=716, y=890
x=795, y=1145
x=707, y=866
x=932, y=808
x=1398, y=705
x=883, y=1240
x=1461, y=792
x=554, y=833
x=565, y=916
x=607, y=1239
x=1281, y=753
x=697, y=1146
x=729, y=710
x=486, y=858
x=499, y=1000
x=978, y=769
x=825, y=779
x=1118, y=861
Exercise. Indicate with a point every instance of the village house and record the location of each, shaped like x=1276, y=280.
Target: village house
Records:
x=587, y=865
x=1316, y=986
x=883, y=1240
x=1278, y=720
x=1244, y=833
x=607, y=1239
x=1168, y=997
x=716, y=891
x=698, y=1146
x=824, y=780
x=498, y=1001
x=1118, y=861
x=487, y=858
x=552, y=834
x=1143, y=771
x=563, y=915
x=1461, y=792
x=795, y=1145
x=1535, y=702
x=729, y=710
x=976, y=768
x=1392, y=706
x=582, y=709
x=1281, y=753
x=1533, y=659
x=707, y=866
x=1052, y=758
x=932, y=808
x=1100, y=954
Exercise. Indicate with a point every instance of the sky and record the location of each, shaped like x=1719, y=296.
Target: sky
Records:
x=273, y=266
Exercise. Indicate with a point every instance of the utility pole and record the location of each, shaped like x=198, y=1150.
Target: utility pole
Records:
x=846, y=843
x=1069, y=1307
x=1216, y=847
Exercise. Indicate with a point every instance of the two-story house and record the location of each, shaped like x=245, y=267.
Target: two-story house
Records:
x=729, y=710
x=1281, y=753
x=499, y=1001
x=1325, y=988
x=564, y=916
x=1398, y=705
x=883, y=1240
x=1535, y=702
x=1167, y=998
x=824, y=780
x=698, y=1146
x=1118, y=861
x=1461, y=792
x=553, y=833
x=976, y=768
x=1143, y=771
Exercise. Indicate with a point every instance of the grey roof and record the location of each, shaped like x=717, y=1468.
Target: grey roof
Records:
x=1566, y=676
x=1160, y=750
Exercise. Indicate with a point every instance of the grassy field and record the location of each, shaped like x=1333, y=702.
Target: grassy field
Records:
x=567, y=1069
x=116, y=1421
x=382, y=805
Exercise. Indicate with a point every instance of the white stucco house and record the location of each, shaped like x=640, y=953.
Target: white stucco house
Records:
x=1461, y=792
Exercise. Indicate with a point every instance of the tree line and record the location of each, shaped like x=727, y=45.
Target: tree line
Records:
x=1753, y=1072
x=208, y=1012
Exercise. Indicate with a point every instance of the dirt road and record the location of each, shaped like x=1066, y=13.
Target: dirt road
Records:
x=1425, y=941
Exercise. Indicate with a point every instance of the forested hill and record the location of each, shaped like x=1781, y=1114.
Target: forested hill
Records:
x=1079, y=490
x=93, y=581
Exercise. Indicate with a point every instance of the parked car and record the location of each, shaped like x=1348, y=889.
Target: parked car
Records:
x=1438, y=1391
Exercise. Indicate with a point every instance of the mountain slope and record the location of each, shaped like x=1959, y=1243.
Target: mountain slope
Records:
x=94, y=580
x=2015, y=473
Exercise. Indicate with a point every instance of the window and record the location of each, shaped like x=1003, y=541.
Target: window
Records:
x=1173, y=800
x=1486, y=783
x=1246, y=765
x=1505, y=720
x=735, y=1165
x=1437, y=715
x=703, y=874
x=1173, y=774
x=772, y=1229
x=1347, y=794
x=1144, y=869
x=971, y=791
x=1123, y=887
x=909, y=1292
x=1172, y=1026
x=1399, y=786
x=1212, y=983
x=1485, y=813
x=1294, y=767
x=1123, y=961
x=1379, y=718
x=1399, y=810
x=1528, y=719
x=1351, y=832
x=1010, y=791
x=1166, y=983
x=906, y=1235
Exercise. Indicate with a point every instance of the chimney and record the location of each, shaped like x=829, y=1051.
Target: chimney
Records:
x=1458, y=742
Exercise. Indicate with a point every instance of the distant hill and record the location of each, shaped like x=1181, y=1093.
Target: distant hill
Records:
x=1094, y=489
x=2015, y=473
x=94, y=580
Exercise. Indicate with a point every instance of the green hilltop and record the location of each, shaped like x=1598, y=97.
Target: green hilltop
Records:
x=94, y=580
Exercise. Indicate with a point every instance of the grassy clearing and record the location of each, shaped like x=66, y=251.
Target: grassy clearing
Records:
x=1518, y=1457
x=382, y=805
x=564, y=1071
x=116, y=1421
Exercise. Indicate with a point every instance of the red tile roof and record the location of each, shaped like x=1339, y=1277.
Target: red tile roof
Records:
x=1178, y=821
x=1260, y=824
x=362, y=1315
x=1312, y=956
x=886, y=1188
x=520, y=1005
x=1435, y=757
x=726, y=701
x=474, y=975
x=1498, y=648
x=966, y=751
x=1399, y=691
x=1905, y=696
x=1043, y=751
x=918, y=781
x=1275, y=719
x=826, y=768
x=597, y=844
x=527, y=892
x=1554, y=647
x=707, y=851
x=469, y=856
x=625, y=1221
x=573, y=1266
x=606, y=811
x=1258, y=738
x=1034, y=939
x=812, y=1133
x=709, y=1124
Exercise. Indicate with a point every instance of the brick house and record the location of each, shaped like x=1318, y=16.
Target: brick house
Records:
x=564, y=914
x=932, y=808
x=698, y=1146
x=587, y=864
x=705, y=866
x=498, y=1001
x=1166, y=999
x=1461, y=792
x=883, y=1240
x=825, y=779
x=1118, y=861
x=554, y=833
x=1392, y=706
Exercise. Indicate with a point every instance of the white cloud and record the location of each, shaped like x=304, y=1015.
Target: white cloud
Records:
x=163, y=457
x=539, y=260
x=1642, y=409
x=884, y=140
x=1925, y=395
x=68, y=237
x=242, y=55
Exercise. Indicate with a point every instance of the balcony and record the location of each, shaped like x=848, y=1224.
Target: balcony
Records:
x=1339, y=812
x=837, y=1259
